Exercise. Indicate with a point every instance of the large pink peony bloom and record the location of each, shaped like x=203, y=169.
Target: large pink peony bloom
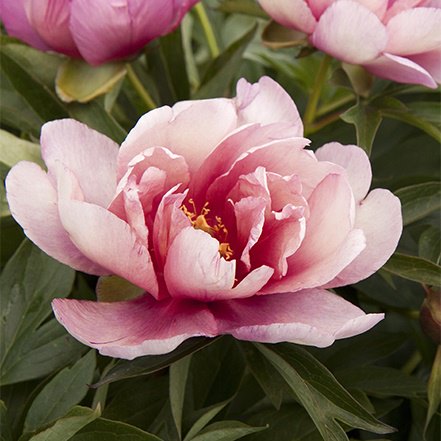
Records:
x=395, y=39
x=215, y=209
x=98, y=31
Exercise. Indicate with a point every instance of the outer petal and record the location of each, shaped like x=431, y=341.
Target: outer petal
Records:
x=109, y=241
x=33, y=203
x=191, y=129
x=290, y=13
x=400, y=69
x=117, y=29
x=90, y=155
x=379, y=216
x=266, y=102
x=13, y=15
x=130, y=329
x=430, y=61
x=354, y=160
x=350, y=32
x=50, y=18
x=414, y=31
x=311, y=317
x=195, y=269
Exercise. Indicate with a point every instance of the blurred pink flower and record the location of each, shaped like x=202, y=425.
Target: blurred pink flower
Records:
x=98, y=31
x=218, y=212
x=395, y=39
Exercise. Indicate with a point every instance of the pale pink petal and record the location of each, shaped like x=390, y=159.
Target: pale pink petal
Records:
x=431, y=62
x=414, y=31
x=379, y=216
x=195, y=269
x=311, y=317
x=319, y=6
x=400, y=69
x=330, y=243
x=134, y=328
x=90, y=155
x=350, y=32
x=293, y=14
x=14, y=17
x=118, y=29
x=401, y=5
x=266, y=102
x=50, y=18
x=109, y=241
x=378, y=7
x=33, y=203
x=175, y=129
x=354, y=160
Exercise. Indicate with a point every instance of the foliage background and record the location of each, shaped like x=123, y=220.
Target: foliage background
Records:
x=224, y=389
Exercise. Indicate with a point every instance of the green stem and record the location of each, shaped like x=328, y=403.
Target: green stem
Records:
x=138, y=86
x=311, y=107
x=208, y=30
x=326, y=108
x=315, y=127
x=412, y=363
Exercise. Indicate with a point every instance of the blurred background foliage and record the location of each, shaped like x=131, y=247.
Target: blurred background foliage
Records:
x=384, y=384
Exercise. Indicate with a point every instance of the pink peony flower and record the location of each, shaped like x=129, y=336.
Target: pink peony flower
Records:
x=395, y=39
x=218, y=212
x=98, y=31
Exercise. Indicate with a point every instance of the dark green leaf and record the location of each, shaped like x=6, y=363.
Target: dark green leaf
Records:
x=426, y=110
x=414, y=268
x=419, y=200
x=5, y=428
x=226, y=431
x=66, y=427
x=247, y=7
x=147, y=365
x=29, y=282
x=63, y=392
x=107, y=430
x=429, y=245
x=319, y=392
x=222, y=69
x=434, y=387
x=366, y=120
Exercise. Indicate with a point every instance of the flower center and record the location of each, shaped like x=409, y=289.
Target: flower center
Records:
x=214, y=227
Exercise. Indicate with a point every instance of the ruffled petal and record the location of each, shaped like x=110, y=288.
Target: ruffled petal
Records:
x=414, y=31
x=33, y=203
x=379, y=216
x=400, y=69
x=134, y=328
x=293, y=14
x=313, y=317
x=350, y=32
x=90, y=155
x=354, y=160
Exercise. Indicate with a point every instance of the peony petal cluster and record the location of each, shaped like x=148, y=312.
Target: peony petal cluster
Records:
x=219, y=214
x=395, y=39
x=97, y=31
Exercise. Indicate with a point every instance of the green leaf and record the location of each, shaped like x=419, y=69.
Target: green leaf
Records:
x=222, y=69
x=14, y=149
x=78, y=81
x=418, y=201
x=247, y=7
x=39, y=97
x=277, y=36
x=65, y=428
x=366, y=120
x=107, y=430
x=63, y=392
x=5, y=428
x=434, y=388
x=4, y=207
x=429, y=245
x=414, y=268
x=116, y=289
x=426, y=110
x=319, y=392
x=226, y=431
x=152, y=363
x=382, y=381
x=178, y=383
x=29, y=282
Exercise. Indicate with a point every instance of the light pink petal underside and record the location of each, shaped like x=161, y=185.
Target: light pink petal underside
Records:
x=379, y=216
x=313, y=317
x=90, y=155
x=350, y=32
x=33, y=203
x=431, y=62
x=134, y=328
